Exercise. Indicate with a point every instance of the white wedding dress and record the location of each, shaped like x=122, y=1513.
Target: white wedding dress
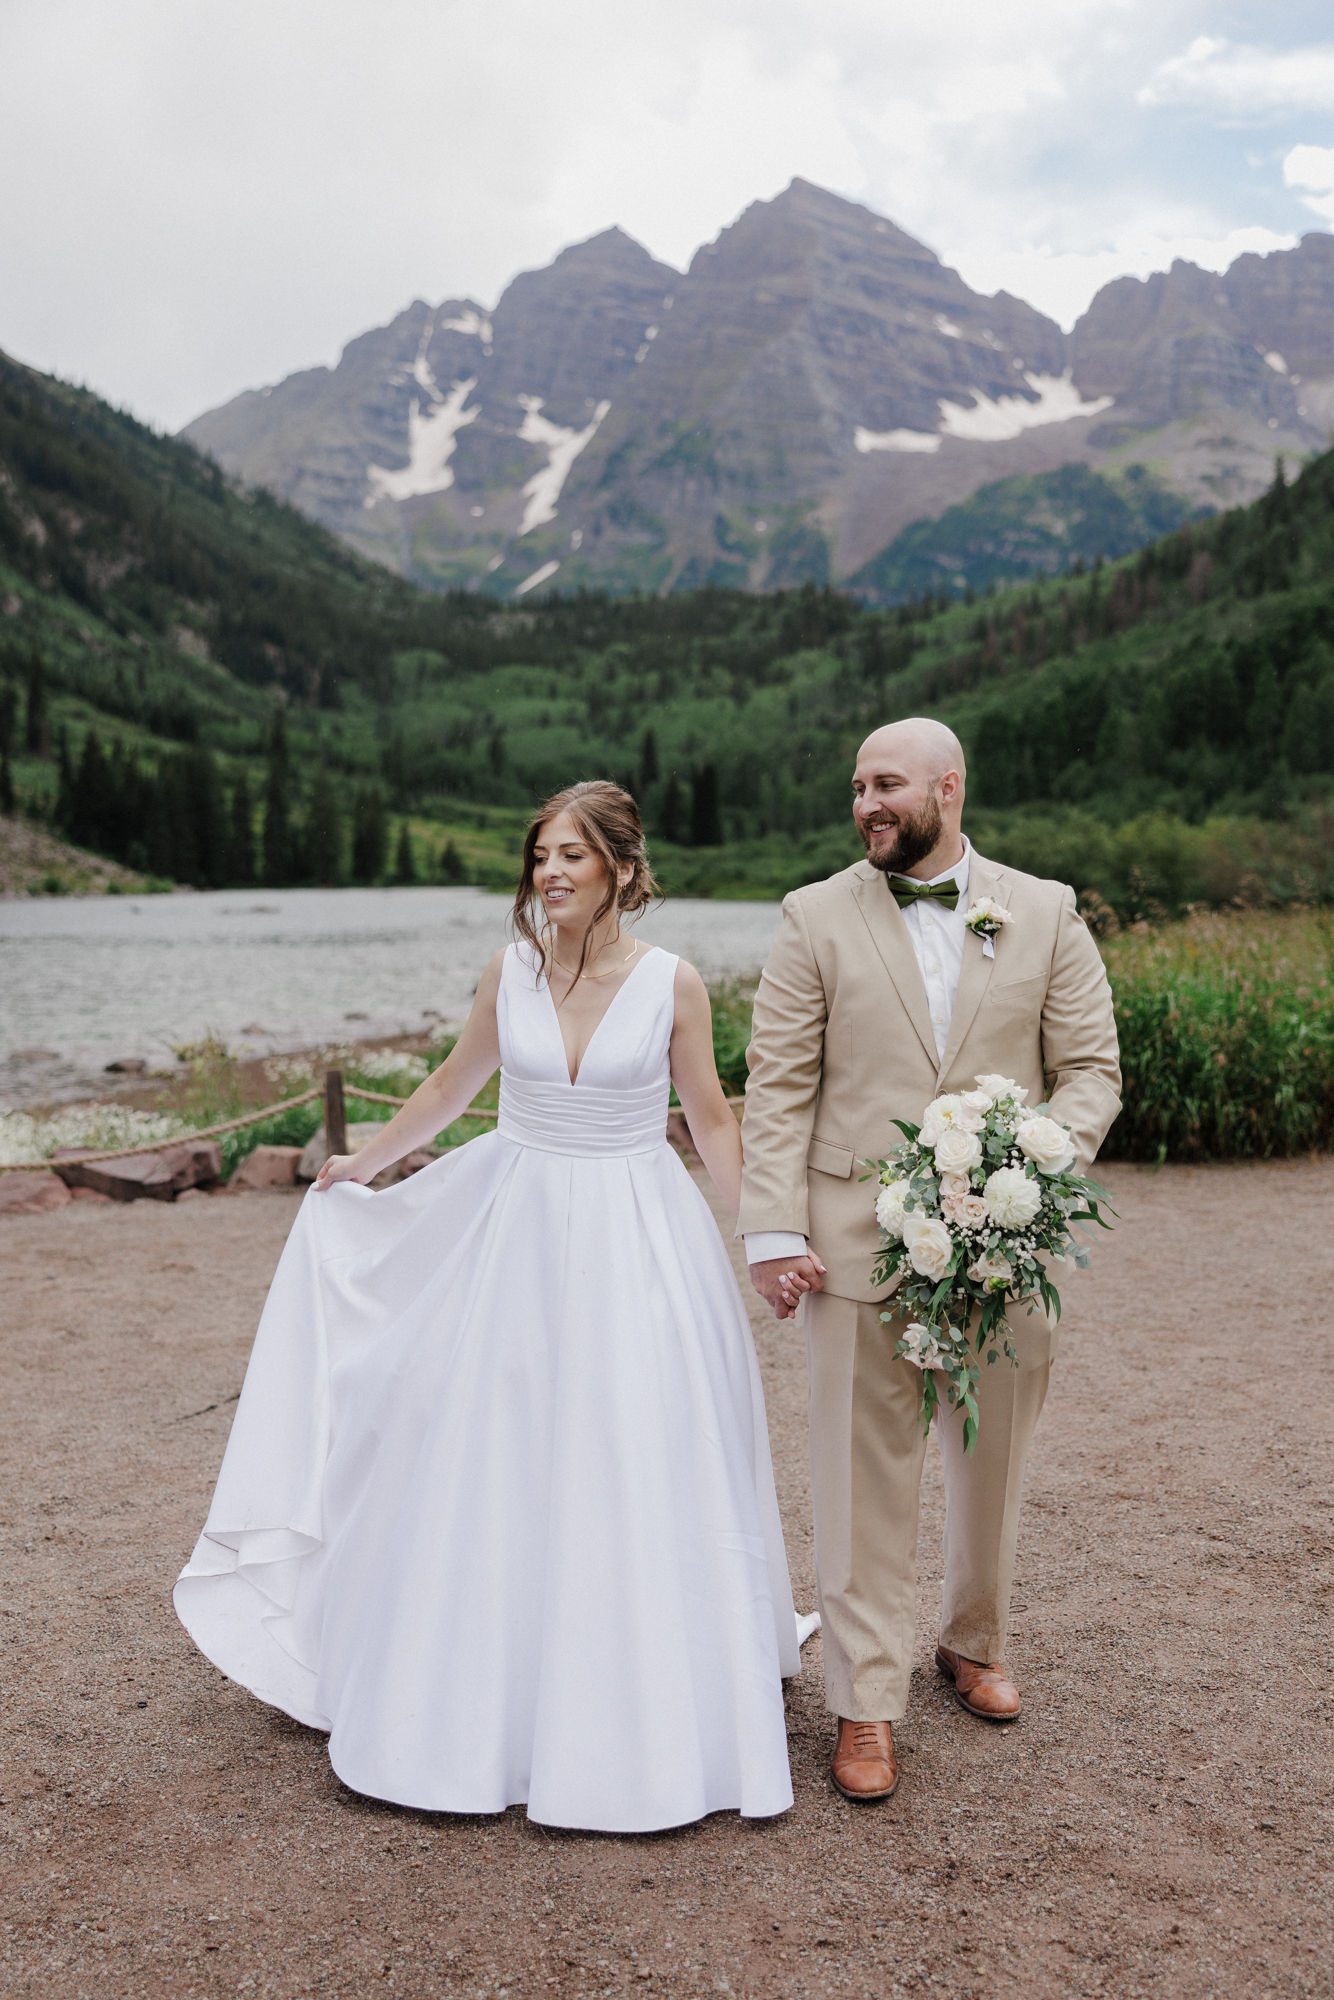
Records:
x=497, y=1509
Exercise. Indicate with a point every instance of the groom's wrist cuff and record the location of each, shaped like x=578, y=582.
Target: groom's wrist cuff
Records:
x=764, y=1244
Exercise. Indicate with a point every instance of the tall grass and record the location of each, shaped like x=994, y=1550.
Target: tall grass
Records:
x=1227, y=1037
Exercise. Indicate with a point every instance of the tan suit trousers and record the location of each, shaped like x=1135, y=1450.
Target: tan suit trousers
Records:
x=867, y=1447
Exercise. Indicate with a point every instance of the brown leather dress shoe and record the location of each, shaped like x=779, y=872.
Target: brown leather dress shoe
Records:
x=864, y=1768
x=982, y=1689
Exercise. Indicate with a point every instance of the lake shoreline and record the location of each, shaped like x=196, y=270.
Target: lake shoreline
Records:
x=98, y=979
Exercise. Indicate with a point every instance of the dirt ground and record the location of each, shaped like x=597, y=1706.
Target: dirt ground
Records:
x=1152, y=1826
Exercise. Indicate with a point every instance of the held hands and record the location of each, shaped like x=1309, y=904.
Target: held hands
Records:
x=345, y=1167
x=784, y=1281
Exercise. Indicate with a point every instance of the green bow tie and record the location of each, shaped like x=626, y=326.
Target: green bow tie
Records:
x=904, y=890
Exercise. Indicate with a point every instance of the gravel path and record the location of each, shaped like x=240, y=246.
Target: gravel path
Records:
x=1151, y=1827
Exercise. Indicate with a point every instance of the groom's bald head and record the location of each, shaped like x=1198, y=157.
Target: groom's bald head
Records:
x=907, y=796
x=922, y=747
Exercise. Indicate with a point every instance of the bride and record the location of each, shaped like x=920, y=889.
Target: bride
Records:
x=497, y=1510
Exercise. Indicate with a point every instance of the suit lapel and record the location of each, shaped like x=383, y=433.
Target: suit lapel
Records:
x=985, y=878
x=889, y=933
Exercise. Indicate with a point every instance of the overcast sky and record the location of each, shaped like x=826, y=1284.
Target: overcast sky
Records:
x=202, y=195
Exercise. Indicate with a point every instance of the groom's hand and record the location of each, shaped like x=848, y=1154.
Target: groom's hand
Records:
x=784, y=1281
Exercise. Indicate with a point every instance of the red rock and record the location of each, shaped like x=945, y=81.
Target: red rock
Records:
x=267, y=1167
x=30, y=1194
x=88, y=1194
x=161, y=1175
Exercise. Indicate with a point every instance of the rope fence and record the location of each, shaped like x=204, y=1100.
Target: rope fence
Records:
x=334, y=1091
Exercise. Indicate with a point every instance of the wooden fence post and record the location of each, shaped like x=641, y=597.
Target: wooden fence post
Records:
x=335, y=1112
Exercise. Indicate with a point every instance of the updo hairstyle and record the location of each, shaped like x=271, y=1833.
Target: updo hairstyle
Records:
x=608, y=819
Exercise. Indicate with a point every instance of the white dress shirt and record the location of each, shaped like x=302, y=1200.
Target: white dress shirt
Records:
x=937, y=934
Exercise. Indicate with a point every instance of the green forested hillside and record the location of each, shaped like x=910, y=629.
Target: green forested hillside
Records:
x=196, y=680
x=1030, y=525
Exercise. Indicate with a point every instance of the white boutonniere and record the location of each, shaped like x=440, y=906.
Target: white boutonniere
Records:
x=984, y=918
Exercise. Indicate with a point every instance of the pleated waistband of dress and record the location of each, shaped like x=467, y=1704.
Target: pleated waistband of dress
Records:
x=580, y=1119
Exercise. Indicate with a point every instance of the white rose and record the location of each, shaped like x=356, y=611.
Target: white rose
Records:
x=991, y=1266
x=980, y=1101
x=1012, y=1199
x=937, y=1118
x=889, y=1208
x=956, y=1184
x=1047, y=1144
x=930, y=1245
x=998, y=1087
x=958, y=1152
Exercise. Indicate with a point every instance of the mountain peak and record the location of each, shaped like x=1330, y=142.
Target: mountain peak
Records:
x=802, y=212
x=610, y=249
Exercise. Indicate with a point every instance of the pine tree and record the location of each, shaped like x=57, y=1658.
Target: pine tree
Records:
x=452, y=869
x=201, y=807
x=323, y=830
x=278, y=856
x=91, y=796
x=405, y=872
x=37, y=731
x=64, y=806
x=706, y=826
x=648, y=762
x=672, y=809
x=241, y=836
x=7, y=800
x=370, y=835
x=159, y=841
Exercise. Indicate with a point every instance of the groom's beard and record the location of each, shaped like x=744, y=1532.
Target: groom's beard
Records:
x=912, y=840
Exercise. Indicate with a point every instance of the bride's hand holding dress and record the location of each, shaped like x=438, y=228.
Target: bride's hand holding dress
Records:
x=438, y=1100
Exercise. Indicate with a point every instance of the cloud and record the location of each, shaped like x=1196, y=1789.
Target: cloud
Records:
x=1312, y=168
x=1243, y=82
x=1062, y=283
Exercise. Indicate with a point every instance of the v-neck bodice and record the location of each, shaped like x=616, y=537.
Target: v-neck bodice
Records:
x=617, y=1102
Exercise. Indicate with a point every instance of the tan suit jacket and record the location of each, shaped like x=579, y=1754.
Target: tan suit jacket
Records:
x=842, y=1045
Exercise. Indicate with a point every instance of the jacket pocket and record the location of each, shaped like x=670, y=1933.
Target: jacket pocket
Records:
x=828, y=1158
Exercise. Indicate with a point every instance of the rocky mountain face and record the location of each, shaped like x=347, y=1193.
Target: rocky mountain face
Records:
x=816, y=386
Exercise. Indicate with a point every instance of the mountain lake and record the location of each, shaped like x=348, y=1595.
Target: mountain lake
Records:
x=88, y=980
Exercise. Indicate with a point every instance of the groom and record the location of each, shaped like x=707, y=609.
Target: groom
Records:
x=877, y=998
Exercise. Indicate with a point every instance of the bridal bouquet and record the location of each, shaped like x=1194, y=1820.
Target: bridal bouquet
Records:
x=978, y=1195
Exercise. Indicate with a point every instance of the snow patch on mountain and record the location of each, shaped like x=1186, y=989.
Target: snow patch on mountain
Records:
x=992, y=420
x=1056, y=401
x=895, y=440
x=563, y=447
x=471, y=322
x=539, y=576
x=1277, y=363
x=432, y=436
x=947, y=327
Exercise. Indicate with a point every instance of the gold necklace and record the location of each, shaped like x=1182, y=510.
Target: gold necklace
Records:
x=570, y=970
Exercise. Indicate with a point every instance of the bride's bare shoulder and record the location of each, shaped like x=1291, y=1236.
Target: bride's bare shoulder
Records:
x=689, y=988
x=489, y=982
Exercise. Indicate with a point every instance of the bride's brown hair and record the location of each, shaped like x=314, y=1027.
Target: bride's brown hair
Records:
x=608, y=819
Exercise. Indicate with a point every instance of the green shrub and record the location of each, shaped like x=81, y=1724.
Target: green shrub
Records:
x=289, y=1128
x=1227, y=1037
